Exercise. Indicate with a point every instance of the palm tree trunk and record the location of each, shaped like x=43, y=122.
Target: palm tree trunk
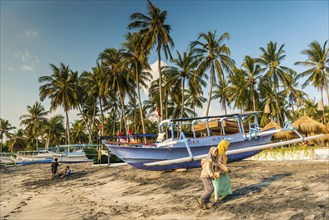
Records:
x=254, y=99
x=91, y=125
x=123, y=112
x=224, y=105
x=67, y=127
x=115, y=119
x=139, y=101
x=102, y=114
x=210, y=90
x=182, y=112
x=160, y=82
x=48, y=140
x=36, y=143
x=277, y=106
x=326, y=85
x=324, y=121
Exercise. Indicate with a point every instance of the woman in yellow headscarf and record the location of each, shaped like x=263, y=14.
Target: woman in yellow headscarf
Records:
x=222, y=184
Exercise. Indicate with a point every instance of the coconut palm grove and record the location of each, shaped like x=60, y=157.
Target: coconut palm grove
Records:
x=108, y=96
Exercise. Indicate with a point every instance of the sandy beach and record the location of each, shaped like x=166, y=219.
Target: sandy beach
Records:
x=261, y=190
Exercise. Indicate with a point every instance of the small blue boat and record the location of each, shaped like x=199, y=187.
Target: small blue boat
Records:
x=187, y=150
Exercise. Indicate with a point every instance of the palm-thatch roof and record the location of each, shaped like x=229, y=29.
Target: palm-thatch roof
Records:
x=308, y=125
x=279, y=135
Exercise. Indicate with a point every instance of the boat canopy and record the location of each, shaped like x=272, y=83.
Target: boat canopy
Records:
x=242, y=114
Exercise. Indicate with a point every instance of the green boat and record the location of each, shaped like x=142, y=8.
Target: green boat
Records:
x=92, y=153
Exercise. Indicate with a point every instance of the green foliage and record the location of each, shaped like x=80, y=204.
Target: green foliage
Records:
x=279, y=153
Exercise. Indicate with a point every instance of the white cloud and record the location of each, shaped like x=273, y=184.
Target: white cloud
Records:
x=7, y=67
x=27, y=68
x=28, y=61
x=155, y=73
x=26, y=56
x=30, y=34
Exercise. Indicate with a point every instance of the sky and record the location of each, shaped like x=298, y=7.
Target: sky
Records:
x=35, y=34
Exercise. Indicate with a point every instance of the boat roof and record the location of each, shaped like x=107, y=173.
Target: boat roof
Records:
x=133, y=135
x=242, y=114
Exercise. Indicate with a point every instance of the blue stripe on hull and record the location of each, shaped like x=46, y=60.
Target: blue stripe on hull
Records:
x=192, y=164
x=34, y=162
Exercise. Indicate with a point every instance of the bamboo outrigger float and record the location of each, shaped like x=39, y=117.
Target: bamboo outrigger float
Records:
x=186, y=150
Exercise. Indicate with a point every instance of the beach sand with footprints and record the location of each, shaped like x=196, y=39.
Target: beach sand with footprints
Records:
x=262, y=190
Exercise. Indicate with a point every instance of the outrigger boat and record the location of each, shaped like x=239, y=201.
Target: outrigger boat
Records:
x=72, y=153
x=186, y=150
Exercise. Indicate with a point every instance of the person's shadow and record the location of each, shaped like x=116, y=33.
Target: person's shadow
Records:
x=255, y=188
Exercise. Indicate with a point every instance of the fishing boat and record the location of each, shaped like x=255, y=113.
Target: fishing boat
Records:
x=32, y=157
x=72, y=153
x=176, y=149
x=92, y=153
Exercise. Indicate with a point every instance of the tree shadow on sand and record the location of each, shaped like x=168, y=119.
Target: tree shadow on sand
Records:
x=255, y=188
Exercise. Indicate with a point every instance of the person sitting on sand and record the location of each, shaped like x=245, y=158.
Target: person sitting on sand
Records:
x=207, y=174
x=54, y=166
x=66, y=172
x=222, y=184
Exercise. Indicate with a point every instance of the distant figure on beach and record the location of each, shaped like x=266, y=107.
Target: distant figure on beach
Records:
x=54, y=166
x=66, y=172
x=207, y=174
x=222, y=184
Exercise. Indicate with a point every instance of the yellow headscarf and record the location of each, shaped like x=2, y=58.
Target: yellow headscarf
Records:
x=222, y=147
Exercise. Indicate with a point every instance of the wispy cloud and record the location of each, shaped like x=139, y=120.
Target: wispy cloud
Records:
x=30, y=34
x=7, y=67
x=155, y=73
x=26, y=57
x=27, y=68
x=28, y=61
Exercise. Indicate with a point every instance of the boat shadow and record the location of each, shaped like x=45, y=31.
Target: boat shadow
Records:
x=255, y=188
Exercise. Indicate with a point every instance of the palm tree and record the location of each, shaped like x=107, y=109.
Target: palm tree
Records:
x=221, y=93
x=17, y=141
x=97, y=86
x=54, y=130
x=236, y=90
x=294, y=94
x=94, y=86
x=155, y=33
x=136, y=56
x=78, y=132
x=5, y=128
x=112, y=106
x=33, y=120
x=213, y=55
x=251, y=71
x=61, y=88
x=184, y=72
x=310, y=109
x=318, y=61
x=119, y=78
x=271, y=59
x=267, y=98
x=194, y=93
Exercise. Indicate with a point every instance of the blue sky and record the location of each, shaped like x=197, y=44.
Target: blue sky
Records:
x=37, y=33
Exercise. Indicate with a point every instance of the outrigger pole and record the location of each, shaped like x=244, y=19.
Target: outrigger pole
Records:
x=230, y=152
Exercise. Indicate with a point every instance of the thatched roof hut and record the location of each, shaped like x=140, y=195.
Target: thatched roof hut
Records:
x=279, y=135
x=308, y=125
